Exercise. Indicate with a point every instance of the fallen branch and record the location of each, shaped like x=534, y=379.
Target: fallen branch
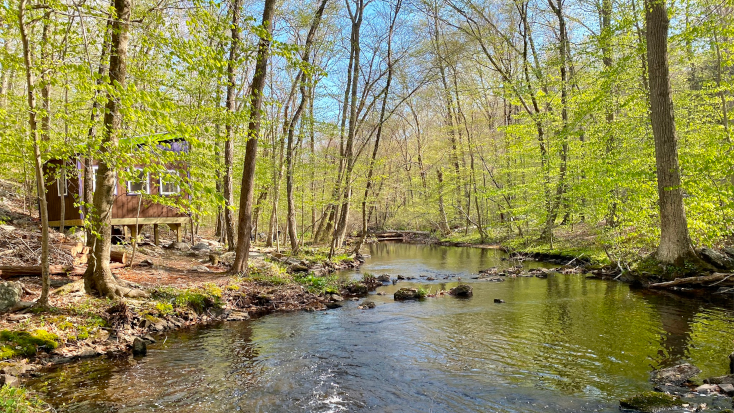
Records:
x=701, y=280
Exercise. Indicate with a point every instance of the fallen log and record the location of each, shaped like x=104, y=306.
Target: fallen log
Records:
x=13, y=271
x=714, y=278
x=118, y=256
x=73, y=248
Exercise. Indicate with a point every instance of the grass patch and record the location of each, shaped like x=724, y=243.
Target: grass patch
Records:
x=17, y=400
x=318, y=285
x=197, y=299
x=23, y=343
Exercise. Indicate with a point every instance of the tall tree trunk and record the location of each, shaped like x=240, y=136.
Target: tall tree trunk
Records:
x=443, y=222
x=301, y=77
x=253, y=131
x=561, y=184
x=341, y=229
x=33, y=126
x=99, y=277
x=229, y=139
x=675, y=244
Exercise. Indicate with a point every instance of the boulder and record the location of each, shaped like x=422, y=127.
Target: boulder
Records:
x=335, y=304
x=357, y=289
x=8, y=380
x=228, y=257
x=406, y=294
x=238, y=316
x=675, y=375
x=729, y=251
x=717, y=259
x=178, y=246
x=462, y=290
x=366, y=305
x=200, y=246
x=298, y=267
x=728, y=379
x=707, y=389
x=384, y=278
x=10, y=295
x=140, y=347
x=727, y=388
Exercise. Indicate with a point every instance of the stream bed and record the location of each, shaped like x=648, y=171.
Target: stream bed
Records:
x=561, y=344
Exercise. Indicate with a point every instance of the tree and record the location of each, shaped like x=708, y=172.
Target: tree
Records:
x=244, y=227
x=37, y=160
x=675, y=244
x=229, y=138
x=98, y=276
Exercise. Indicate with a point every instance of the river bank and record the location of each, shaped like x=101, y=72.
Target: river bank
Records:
x=183, y=287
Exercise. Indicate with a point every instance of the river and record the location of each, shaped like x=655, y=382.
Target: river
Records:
x=561, y=344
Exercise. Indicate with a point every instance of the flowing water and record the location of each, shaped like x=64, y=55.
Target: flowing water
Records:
x=561, y=344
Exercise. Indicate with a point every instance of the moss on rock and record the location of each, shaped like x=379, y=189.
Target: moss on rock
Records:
x=23, y=343
x=651, y=402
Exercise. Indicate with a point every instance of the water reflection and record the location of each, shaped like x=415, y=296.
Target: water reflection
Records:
x=561, y=344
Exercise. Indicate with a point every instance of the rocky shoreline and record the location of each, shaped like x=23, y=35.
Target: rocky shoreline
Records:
x=129, y=326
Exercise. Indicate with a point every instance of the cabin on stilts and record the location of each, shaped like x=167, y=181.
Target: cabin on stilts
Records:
x=131, y=209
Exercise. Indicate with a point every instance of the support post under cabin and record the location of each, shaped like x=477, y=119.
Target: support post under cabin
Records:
x=156, y=236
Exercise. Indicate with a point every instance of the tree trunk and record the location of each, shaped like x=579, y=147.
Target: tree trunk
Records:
x=33, y=126
x=229, y=139
x=253, y=132
x=675, y=244
x=292, y=233
x=99, y=277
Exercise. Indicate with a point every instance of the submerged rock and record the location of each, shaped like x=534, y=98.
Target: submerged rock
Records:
x=367, y=305
x=651, y=402
x=384, y=278
x=675, y=375
x=462, y=290
x=499, y=301
x=407, y=294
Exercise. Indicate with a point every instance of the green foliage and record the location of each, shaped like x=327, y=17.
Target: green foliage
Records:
x=318, y=285
x=196, y=299
x=164, y=308
x=18, y=400
x=23, y=343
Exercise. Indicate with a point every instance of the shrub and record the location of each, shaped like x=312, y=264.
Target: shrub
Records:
x=17, y=400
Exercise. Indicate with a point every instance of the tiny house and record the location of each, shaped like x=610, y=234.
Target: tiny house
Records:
x=69, y=190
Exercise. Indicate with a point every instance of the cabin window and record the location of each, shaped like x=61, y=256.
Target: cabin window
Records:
x=140, y=184
x=168, y=184
x=61, y=185
x=94, y=179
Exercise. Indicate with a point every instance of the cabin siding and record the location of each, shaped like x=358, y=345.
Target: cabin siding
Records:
x=125, y=206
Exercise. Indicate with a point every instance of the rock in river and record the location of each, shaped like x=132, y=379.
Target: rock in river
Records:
x=140, y=347
x=462, y=290
x=406, y=294
x=650, y=402
x=367, y=305
x=676, y=375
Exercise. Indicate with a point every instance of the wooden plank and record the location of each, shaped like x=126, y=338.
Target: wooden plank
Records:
x=128, y=221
